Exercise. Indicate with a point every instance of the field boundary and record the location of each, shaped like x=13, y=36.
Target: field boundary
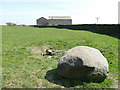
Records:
x=108, y=29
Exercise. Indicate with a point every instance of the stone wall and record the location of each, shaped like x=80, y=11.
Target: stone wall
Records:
x=108, y=29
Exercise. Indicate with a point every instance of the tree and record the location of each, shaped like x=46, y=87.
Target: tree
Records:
x=9, y=23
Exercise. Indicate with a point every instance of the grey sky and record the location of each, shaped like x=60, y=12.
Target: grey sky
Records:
x=81, y=11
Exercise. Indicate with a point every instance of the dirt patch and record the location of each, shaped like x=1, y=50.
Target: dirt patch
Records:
x=115, y=85
x=44, y=51
x=36, y=50
x=39, y=81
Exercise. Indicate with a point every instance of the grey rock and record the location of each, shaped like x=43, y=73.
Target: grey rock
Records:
x=85, y=63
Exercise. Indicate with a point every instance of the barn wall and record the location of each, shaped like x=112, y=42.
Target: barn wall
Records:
x=42, y=22
x=53, y=22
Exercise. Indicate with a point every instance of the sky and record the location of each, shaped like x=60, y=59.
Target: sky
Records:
x=119, y=13
x=81, y=11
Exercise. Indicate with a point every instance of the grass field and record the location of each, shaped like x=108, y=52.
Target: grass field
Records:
x=24, y=67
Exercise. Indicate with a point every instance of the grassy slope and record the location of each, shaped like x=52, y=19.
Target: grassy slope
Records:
x=21, y=69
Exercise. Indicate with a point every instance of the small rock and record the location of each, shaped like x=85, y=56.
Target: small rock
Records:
x=49, y=56
x=49, y=52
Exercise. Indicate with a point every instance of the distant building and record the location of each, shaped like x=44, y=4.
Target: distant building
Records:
x=54, y=21
x=42, y=21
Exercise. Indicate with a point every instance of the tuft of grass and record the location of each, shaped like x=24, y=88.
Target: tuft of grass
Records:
x=23, y=68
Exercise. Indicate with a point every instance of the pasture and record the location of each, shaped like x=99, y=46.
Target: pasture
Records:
x=24, y=67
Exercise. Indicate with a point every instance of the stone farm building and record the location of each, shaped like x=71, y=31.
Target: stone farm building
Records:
x=54, y=21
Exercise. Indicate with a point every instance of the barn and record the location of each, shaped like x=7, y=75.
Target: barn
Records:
x=54, y=21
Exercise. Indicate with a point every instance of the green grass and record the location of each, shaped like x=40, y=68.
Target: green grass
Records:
x=23, y=68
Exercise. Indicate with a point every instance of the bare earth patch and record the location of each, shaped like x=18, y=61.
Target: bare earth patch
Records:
x=115, y=85
x=44, y=51
x=39, y=83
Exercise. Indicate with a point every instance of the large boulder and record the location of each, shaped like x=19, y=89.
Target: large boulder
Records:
x=85, y=63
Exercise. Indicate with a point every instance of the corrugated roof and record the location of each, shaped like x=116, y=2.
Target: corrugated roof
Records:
x=59, y=17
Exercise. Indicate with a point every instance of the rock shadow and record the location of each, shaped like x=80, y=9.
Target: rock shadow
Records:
x=53, y=77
